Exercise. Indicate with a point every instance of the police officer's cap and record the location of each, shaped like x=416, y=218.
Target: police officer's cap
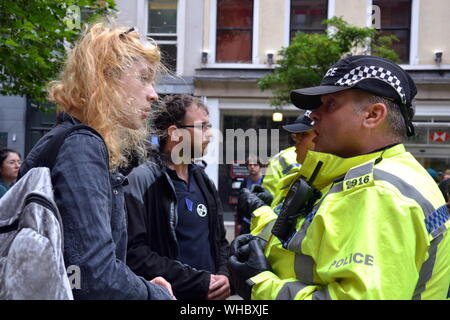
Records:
x=375, y=75
x=301, y=124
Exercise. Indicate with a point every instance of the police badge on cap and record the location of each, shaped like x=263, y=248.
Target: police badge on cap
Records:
x=376, y=75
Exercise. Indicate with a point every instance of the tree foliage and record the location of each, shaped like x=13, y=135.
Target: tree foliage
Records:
x=33, y=40
x=304, y=62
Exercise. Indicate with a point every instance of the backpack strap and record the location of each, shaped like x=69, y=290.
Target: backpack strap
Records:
x=50, y=151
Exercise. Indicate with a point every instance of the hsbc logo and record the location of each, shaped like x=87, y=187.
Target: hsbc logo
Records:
x=439, y=136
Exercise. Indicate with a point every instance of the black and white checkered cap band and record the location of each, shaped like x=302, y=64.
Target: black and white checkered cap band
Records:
x=366, y=72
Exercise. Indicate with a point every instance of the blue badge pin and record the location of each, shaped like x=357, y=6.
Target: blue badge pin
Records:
x=189, y=204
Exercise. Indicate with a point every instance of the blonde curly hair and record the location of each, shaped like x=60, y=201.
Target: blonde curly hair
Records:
x=89, y=87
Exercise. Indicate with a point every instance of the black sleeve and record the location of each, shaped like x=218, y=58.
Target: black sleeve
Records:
x=83, y=195
x=187, y=282
x=223, y=242
x=222, y=245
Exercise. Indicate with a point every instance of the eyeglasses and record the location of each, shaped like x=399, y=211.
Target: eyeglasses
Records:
x=204, y=125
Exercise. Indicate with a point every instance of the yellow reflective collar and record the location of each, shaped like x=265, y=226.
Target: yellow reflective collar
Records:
x=335, y=167
x=360, y=176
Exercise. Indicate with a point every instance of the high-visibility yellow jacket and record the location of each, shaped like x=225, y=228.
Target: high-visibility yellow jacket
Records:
x=262, y=221
x=280, y=171
x=279, y=166
x=380, y=231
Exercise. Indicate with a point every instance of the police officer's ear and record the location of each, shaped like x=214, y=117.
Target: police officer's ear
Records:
x=374, y=115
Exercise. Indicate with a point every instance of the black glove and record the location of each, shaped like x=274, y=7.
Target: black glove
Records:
x=247, y=203
x=246, y=261
x=262, y=193
x=239, y=242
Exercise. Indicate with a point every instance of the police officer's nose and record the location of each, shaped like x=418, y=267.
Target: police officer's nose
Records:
x=315, y=115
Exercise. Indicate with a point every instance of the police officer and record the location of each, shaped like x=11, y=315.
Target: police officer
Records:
x=284, y=162
x=379, y=229
x=282, y=169
x=289, y=160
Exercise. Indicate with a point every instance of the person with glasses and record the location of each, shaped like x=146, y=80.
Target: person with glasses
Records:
x=175, y=217
x=9, y=169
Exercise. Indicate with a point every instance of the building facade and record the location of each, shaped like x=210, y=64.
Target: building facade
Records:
x=223, y=47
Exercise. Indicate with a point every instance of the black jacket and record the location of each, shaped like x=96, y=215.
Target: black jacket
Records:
x=91, y=203
x=152, y=216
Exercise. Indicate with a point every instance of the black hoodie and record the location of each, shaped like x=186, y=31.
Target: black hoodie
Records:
x=152, y=245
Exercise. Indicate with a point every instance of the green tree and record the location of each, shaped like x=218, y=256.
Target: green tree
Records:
x=33, y=40
x=304, y=62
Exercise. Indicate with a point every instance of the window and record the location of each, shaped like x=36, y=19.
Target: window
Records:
x=396, y=19
x=162, y=27
x=3, y=140
x=307, y=16
x=234, y=31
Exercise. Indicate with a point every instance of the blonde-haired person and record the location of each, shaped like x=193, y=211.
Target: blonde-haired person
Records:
x=106, y=84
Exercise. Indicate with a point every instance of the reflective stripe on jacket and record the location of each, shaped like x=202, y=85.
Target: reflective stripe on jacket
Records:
x=263, y=219
x=378, y=232
x=282, y=169
x=279, y=166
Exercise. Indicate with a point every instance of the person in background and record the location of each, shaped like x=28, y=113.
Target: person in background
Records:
x=289, y=160
x=107, y=85
x=443, y=186
x=446, y=174
x=255, y=172
x=448, y=197
x=437, y=176
x=253, y=180
x=175, y=217
x=9, y=169
x=303, y=134
x=280, y=165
